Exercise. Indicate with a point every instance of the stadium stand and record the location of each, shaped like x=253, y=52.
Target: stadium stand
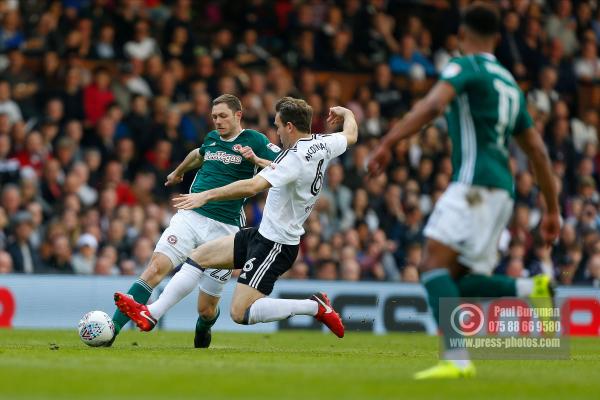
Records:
x=100, y=99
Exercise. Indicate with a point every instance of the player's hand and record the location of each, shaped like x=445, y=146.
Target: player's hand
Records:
x=174, y=178
x=336, y=115
x=247, y=153
x=550, y=227
x=190, y=201
x=379, y=160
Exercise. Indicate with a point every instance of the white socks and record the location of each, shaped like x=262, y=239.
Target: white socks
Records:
x=262, y=310
x=269, y=310
x=524, y=287
x=182, y=284
x=459, y=357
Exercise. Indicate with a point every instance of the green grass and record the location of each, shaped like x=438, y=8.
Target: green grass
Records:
x=298, y=365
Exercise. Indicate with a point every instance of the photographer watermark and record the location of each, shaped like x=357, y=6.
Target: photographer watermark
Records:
x=503, y=328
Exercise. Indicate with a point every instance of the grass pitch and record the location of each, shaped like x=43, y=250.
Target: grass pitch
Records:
x=295, y=365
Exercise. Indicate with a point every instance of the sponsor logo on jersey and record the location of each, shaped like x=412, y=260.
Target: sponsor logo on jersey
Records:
x=274, y=148
x=172, y=239
x=223, y=157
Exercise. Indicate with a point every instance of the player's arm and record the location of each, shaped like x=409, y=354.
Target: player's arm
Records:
x=192, y=161
x=532, y=144
x=249, y=155
x=423, y=112
x=236, y=190
x=350, y=128
x=261, y=153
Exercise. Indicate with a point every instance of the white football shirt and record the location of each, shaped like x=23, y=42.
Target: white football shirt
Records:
x=296, y=177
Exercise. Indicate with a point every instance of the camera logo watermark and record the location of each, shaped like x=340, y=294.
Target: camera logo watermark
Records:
x=503, y=328
x=467, y=319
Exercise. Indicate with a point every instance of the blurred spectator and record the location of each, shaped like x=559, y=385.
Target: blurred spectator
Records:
x=11, y=35
x=9, y=166
x=562, y=25
x=443, y=55
x=533, y=56
x=6, y=263
x=587, y=67
x=97, y=96
x=84, y=260
x=567, y=83
x=339, y=200
x=326, y=270
x=249, y=53
x=515, y=268
x=25, y=258
x=410, y=62
x=60, y=260
x=592, y=271
x=142, y=46
x=298, y=271
x=7, y=106
x=105, y=48
x=390, y=98
x=585, y=130
x=302, y=53
x=373, y=125
x=142, y=252
x=545, y=95
x=23, y=83
x=10, y=199
x=338, y=56
x=568, y=265
x=511, y=50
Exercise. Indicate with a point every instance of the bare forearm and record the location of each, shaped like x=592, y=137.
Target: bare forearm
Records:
x=421, y=114
x=192, y=161
x=261, y=162
x=531, y=143
x=236, y=190
x=350, y=128
x=545, y=179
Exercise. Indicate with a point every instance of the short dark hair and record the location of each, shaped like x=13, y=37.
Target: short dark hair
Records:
x=230, y=101
x=296, y=111
x=482, y=18
x=101, y=69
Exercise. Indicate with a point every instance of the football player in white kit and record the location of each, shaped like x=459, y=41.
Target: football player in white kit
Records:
x=294, y=181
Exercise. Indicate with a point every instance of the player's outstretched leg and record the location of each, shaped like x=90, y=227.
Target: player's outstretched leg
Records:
x=141, y=290
x=327, y=315
x=137, y=312
x=249, y=306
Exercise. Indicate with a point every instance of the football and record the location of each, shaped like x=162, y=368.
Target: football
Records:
x=96, y=328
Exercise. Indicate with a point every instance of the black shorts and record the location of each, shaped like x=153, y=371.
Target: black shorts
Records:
x=261, y=260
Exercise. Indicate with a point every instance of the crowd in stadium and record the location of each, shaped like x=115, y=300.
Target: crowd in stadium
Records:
x=101, y=99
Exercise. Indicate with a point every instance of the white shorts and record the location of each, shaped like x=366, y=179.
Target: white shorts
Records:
x=188, y=230
x=470, y=219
